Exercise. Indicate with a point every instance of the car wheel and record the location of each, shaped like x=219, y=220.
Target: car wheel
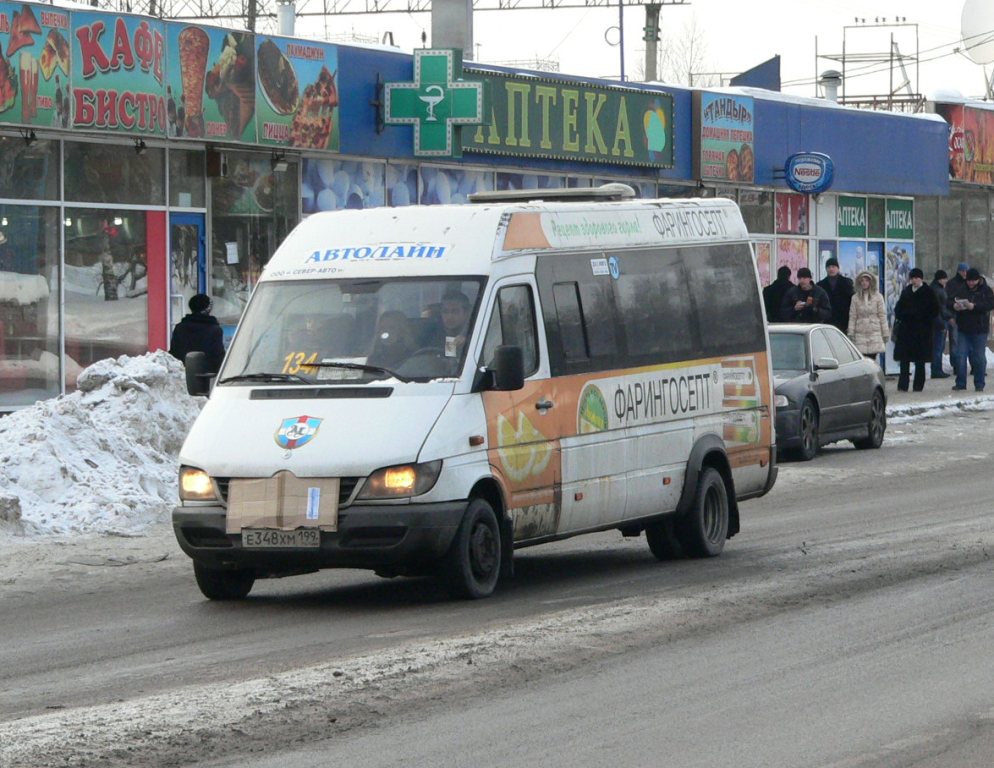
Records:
x=809, y=431
x=703, y=531
x=472, y=566
x=877, y=425
x=218, y=584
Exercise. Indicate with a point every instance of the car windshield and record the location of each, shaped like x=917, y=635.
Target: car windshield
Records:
x=789, y=351
x=353, y=331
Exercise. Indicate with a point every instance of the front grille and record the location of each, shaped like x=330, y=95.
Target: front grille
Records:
x=346, y=489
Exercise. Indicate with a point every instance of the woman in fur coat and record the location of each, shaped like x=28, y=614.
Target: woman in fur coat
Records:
x=868, y=317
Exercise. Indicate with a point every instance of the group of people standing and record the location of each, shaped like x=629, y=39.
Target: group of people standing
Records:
x=923, y=316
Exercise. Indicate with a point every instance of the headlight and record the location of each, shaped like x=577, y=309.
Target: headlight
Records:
x=781, y=401
x=402, y=480
x=195, y=485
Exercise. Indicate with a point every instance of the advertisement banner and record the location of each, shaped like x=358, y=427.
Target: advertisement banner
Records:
x=851, y=214
x=793, y=253
x=539, y=117
x=34, y=65
x=971, y=142
x=211, y=83
x=725, y=132
x=297, y=93
x=118, y=73
x=791, y=213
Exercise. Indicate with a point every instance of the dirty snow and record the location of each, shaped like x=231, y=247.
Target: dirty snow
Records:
x=101, y=460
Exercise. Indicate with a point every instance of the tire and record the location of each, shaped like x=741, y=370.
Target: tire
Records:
x=218, y=584
x=471, y=568
x=662, y=540
x=808, y=424
x=703, y=531
x=877, y=425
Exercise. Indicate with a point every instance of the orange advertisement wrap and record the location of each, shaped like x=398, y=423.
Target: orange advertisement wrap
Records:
x=530, y=430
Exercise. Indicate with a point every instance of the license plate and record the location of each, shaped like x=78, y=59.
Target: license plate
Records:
x=264, y=538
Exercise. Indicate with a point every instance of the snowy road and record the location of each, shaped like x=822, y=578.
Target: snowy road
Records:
x=112, y=658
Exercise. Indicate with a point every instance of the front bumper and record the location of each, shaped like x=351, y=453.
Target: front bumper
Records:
x=401, y=537
x=788, y=425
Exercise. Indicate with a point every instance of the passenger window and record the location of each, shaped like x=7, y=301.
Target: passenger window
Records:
x=843, y=352
x=513, y=322
x=820, y=346
x=569, y=316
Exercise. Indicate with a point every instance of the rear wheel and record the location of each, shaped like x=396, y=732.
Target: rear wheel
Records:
x=662, y=540
x=218, y=584
x=472, y=566
x=703, y=531
x=877, y=425
x=809, y=431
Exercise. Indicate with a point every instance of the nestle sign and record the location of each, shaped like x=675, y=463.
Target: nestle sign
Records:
x=809, y=172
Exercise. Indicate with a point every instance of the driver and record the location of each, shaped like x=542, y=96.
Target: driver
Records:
x=393, y=343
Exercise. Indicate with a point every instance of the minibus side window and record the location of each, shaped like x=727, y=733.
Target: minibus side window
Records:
x=569, y=316
x=513, y=323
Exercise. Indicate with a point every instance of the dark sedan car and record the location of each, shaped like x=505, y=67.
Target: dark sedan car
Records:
x=826, y=390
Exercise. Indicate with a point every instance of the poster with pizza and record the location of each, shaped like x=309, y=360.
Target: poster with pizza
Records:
x=118, y=73
x=210, y=91
x=35, y=64
x=297, y=93
x=726, y=137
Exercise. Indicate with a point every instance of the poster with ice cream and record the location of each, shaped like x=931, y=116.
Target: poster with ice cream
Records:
x=297, y=96
x=118, y=73
x=210, y=91
x=34, y=65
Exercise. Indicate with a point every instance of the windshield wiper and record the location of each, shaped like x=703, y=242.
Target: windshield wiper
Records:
x=263, y=376
x=357, y=367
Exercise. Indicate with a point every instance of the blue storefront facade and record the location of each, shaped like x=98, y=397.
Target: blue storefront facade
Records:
x=113, y=213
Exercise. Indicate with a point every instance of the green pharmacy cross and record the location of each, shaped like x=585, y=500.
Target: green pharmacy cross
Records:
x=436, y=103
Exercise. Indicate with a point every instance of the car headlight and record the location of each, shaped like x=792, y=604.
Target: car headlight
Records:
x=781, y=401
x=195, y=485
x=402, y=480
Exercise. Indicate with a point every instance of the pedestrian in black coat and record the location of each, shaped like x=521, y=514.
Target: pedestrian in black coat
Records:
x=916, y=311
x=199, y=331
x=773, y=294
x=840, y=291
x=805, y=302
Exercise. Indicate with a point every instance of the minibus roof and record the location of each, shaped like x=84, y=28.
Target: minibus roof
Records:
x=467, y=239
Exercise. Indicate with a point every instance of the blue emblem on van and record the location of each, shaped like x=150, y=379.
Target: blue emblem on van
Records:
x=297, y=431
x=809, y=172
x=615, y=266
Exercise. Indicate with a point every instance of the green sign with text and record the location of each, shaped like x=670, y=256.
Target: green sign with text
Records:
x=437, y=103
x=536, y=117
x=852, y=216
x=900, y=219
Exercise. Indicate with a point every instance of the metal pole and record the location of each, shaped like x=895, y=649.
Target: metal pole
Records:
x=621, y=36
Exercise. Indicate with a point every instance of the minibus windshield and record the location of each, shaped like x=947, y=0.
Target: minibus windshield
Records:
x=353, y=331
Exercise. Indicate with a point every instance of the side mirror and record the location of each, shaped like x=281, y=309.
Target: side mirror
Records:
x=509, y=369
x=826, y=364
x=198, y=380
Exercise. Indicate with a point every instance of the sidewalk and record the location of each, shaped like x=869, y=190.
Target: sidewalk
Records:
x=937, y=396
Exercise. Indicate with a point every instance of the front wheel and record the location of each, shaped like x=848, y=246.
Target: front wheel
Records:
x=877, y=426
x=703, y=531
x=472, y=566
x=218, y=584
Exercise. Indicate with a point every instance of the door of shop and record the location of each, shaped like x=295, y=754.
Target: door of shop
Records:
x=187, y=261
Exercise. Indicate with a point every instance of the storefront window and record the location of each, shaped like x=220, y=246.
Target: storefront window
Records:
x=105, y=285
x=513, y=181
x=757, y=210
x=976, y=229
x=186, y=178
x=442, y=186
x=402, y=184
x=29, y=305
x=106, y=173
x=330, y=185
x=29, y=172
x=253, y=210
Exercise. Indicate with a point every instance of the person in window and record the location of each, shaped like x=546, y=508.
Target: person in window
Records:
x=455, y=315
x=393, y=343
x=805, y=302
x=199, y=331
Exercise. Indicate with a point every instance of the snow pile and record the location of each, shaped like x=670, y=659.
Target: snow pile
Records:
x=102, y=459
